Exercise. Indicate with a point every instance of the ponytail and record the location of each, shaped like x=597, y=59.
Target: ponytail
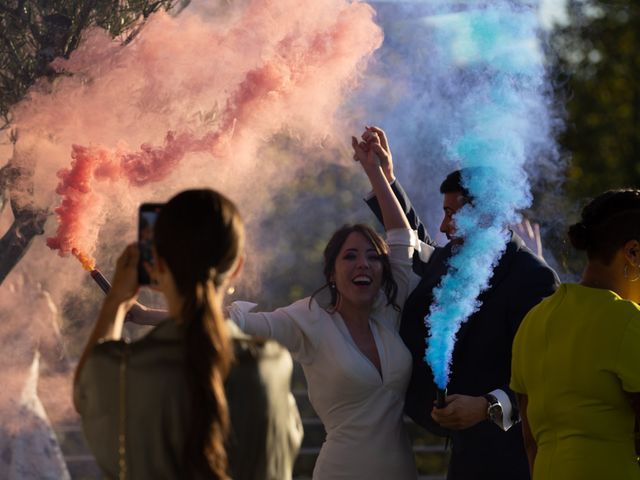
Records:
x=208, y=359
x=199, y=235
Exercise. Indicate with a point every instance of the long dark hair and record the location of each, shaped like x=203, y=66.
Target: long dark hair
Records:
x=332, y=250
x=607, y=222
x=199, y=234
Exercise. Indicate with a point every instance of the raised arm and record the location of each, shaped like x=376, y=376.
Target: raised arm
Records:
x=371, y=155
x=121, y=296
x=142, y=315
x=386, y=162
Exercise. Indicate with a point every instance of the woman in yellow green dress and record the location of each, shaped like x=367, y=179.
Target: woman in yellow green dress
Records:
x=576, y=356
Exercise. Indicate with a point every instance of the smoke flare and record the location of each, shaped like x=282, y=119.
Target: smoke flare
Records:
x=502, y=122
x=100, y=280
x=267, y=67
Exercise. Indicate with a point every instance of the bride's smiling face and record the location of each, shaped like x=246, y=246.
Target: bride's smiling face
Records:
x=358, y=271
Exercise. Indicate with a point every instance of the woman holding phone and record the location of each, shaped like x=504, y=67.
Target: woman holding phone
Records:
x=195, y=398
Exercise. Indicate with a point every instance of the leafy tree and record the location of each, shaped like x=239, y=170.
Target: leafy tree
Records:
x=32, y=34
x=598, y=49
x=595, y=60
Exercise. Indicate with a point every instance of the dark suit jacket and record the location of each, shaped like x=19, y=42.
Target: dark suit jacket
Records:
x=482, y=355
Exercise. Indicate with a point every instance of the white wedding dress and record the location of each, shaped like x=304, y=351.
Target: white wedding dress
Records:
x=360, y=408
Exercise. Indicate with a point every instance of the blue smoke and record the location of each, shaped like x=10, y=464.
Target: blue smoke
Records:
x=461, y=84
x=497, y=48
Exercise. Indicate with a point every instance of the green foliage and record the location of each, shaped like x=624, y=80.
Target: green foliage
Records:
x=595, y=63
x=599, y=50
x=34, y=32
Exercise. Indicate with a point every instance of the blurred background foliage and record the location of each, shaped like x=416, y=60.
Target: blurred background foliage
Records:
x=301, y=219
x=595, y=64
x=598, y=53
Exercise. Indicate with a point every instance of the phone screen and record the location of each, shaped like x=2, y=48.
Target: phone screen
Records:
x=147, y=217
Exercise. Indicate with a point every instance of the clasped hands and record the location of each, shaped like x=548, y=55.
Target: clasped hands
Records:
x=373, y=151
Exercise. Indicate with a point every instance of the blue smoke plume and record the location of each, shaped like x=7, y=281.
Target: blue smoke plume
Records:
x=462, y=84
x=494, y=50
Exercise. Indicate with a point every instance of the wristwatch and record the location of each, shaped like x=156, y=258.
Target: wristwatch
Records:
x=494, y=410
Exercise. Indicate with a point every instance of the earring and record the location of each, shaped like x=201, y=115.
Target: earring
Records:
x=626, y=273
x=231, y=290
x=332, y=285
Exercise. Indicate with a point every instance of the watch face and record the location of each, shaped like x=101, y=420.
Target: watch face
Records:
x=495, y=411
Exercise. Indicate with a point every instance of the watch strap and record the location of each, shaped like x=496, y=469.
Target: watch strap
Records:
x=494, y=405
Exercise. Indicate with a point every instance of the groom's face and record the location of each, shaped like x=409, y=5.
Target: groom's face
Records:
x=451, y=203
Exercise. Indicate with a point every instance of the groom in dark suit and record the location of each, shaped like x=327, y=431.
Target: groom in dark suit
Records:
x=481, y=415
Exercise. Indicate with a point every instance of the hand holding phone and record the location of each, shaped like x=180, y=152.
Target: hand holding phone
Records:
x=147, y=216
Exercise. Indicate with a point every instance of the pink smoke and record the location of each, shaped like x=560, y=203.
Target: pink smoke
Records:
x=192, y=101
x=261, y=69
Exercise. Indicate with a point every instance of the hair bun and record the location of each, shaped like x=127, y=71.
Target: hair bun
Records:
x=579, y=236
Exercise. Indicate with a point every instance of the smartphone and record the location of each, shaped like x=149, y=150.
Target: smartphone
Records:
x=147, y=216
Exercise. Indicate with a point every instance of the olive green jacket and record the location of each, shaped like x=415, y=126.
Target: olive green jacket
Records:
x=152, y=410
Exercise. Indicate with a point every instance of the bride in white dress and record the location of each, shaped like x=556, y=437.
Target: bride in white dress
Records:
x=356, y=365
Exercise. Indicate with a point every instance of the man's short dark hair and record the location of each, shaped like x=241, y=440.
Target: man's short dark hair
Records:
x=454, y=181
x=453, y=184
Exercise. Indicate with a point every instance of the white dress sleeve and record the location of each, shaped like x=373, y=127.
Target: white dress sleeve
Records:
x=292, y=326
x=402, y=244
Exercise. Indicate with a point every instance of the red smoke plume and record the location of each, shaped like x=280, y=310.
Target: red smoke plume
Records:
x=303, y=64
